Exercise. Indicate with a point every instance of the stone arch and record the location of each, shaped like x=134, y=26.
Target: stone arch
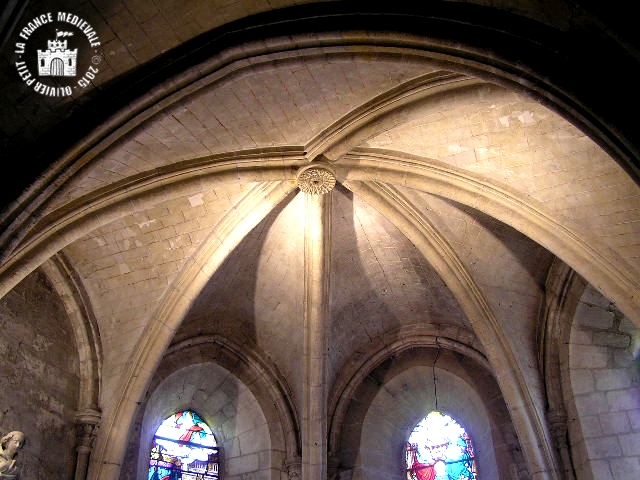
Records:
x=523, y=51
x=584, y=405
x=170, y=313
x=232, y=369
x=278, y=194
x=87, y=336
x=192, y=85
x=563, y=290
x=402, y=372
x=596, y=263
x=517, y=389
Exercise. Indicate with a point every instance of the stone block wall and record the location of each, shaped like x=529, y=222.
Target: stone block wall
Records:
x=605, y=382
x=39, y=378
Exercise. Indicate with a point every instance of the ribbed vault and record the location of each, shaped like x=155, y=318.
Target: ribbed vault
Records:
x=183, y=233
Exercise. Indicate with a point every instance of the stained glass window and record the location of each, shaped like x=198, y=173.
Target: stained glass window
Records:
x=183, y=448
x=440, y=449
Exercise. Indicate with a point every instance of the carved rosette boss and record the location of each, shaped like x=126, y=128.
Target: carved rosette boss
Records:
x=316, y=179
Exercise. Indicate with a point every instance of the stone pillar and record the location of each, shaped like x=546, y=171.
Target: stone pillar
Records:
x=316, y=181
x=558, y=428
x=86, y=421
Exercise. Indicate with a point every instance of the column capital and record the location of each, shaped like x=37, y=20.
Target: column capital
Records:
x=88, y=416
x=294, y=468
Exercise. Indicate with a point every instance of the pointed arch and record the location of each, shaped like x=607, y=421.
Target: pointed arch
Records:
x=598, y=264
x=110, y=447
x=78, y=306
x=65, y=225
x=528, y=420
x=260, y=376
x=390, y=369
x=563, y=289
x=87, y=335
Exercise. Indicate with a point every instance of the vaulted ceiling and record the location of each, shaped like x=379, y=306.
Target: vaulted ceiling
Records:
x=178, y=214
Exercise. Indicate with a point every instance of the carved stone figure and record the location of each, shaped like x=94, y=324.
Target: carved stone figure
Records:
x=9, y=446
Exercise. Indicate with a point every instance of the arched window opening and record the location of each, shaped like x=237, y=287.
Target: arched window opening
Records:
x=440, y=449
x=184, y=448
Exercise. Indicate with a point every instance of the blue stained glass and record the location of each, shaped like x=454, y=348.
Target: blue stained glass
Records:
x=440, y=449
x=183, y=448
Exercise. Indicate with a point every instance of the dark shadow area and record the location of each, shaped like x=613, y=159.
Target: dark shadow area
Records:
x=226, y=305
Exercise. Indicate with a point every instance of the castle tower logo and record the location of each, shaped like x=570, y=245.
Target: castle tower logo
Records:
x=58, y=60
x=71, y=60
